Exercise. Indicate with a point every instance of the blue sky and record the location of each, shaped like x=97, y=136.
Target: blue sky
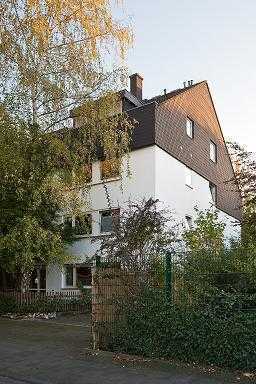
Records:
x=200, y=40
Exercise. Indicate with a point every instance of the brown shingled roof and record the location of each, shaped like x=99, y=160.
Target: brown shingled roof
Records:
x=169, y=95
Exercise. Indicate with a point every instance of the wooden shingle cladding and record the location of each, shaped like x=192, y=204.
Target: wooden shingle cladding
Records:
x=163, y=122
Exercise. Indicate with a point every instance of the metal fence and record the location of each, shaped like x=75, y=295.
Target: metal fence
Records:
x=176, y=278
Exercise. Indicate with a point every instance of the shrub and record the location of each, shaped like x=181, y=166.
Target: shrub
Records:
x=45, y=304
x=7, y=305
x=216, y=334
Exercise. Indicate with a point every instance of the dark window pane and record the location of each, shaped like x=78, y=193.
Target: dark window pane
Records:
x=83, y=224
x=68, y=222
x=69, y=276
x=108, y=219
x=83, y=276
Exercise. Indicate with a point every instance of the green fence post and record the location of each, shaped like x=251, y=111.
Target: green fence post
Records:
x=168, y=276
x=98, y=262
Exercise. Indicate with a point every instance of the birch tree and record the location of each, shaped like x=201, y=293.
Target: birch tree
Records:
x=57, y=54
x=61, y=64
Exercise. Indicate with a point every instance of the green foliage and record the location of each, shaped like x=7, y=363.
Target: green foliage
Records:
x=141, y=236
x=30, y=198
x=207, y=234
x=245, y=174
x=216, y=334
x=9, y=304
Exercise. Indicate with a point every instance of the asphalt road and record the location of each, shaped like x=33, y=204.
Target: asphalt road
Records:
x=56, y=352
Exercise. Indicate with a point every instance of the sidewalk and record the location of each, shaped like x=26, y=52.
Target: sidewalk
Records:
x=58, y=352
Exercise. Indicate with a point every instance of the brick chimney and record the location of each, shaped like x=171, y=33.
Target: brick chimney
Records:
x=136, y=85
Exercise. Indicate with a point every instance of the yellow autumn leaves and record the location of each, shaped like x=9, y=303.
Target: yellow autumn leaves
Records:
x=56, y=55
x=86, y=20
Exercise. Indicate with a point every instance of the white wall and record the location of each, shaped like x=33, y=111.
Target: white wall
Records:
x=171, y=189
x=53, y=278
x=141, y=184
x=154, y=173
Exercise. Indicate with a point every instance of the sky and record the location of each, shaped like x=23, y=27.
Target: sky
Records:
x=209, y=40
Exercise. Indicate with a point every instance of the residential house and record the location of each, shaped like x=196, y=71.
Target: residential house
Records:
x=178, y=156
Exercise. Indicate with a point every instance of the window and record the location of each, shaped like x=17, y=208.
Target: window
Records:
x=189, y=222
x=83, y=276
x=213, y=191
x=87, y=173
x=190, y=128
x=83, y=224
x=68, y=222
x=69, y=276
x=213, y=152
x=109, y=169
x=108, y=218
x=188, y=177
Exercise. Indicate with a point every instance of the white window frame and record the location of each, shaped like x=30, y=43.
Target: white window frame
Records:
x=190, y=128
x=188, y=177
x=73, y=223
x=101, y=212
x=213, y=152
x=211, y=187
x=64, y=285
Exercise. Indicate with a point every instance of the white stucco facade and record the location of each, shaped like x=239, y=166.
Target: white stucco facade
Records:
x=153, y=173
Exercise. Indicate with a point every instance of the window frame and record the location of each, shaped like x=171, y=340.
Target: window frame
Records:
x=211, y=187
x=190, y=127
x=188, y=222
x=190, y=175
x=113, y=212
x=213, y=145
x=77, y=278
x=89, y=216
x=68, y=221
x=66, y=286
x=87, y=169
x=114, y=176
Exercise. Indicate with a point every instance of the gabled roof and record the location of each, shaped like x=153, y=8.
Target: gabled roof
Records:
x=169, y=95
x=162, y=121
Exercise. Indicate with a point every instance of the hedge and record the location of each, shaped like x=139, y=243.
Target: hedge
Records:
x=218, y=335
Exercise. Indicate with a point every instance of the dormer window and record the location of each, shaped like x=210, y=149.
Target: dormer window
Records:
x=190, y=128
x=213, y=152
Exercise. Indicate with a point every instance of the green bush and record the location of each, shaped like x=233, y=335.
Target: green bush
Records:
x=215, y=334
x=7, y=305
